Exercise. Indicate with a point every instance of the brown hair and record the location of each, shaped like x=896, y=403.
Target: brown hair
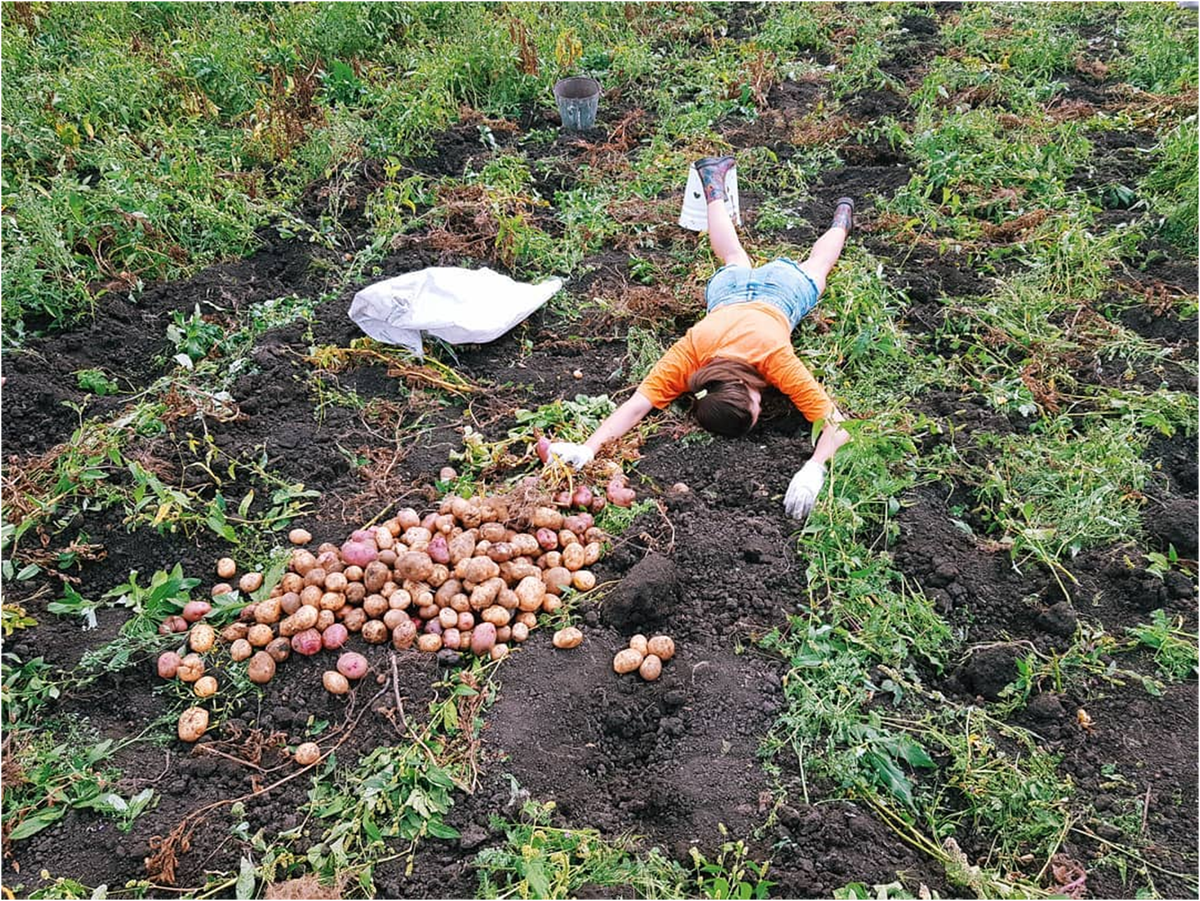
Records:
x=721, y=396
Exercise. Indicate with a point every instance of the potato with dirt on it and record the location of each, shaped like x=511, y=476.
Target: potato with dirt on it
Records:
x=627, y=661
x=193, y=723
x=520, y=632
x=280, y=649
x=485, y=594
x=300, y=536
x=240, y=650
x=261, y=668
x=557, y=579
x=404, y=635
x=429, y=643
x=661, y=647
x=302, y=619
x=191, y=668
x=638, y=643
x=250, y=582
x=307, y=753
x=651, y=668
x=335, y=683
x=375, y=574
x=499, y=651
x=226, y=568
x=570, y=637
x=547, y=518
x=354, y=620
x=552, y=603
x=572, y=557
x=583, y=580
x=205, y=687
x=374, y=632
x=260, y=635
x=496, y=615
x=202, y=637
x=591, y=552
x=267, y=612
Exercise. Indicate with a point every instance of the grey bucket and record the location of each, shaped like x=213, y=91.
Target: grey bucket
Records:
x=577, y=101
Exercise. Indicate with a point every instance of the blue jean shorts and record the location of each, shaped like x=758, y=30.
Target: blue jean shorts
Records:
x=781, y=283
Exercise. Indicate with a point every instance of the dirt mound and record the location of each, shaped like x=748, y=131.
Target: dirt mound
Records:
x=990, y=668
x=1173, y=524
x=644, y=599
x=669, y=759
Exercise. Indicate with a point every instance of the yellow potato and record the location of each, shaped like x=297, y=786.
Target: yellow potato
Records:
x=567, y=638
x=201, y=638
x=308, y=753
x=205, y=687
x=639, y=644
x=226, y=568
x=651, y=668
x=627, y=661
x=662, y=647
x=191, y=668
x=193, y=723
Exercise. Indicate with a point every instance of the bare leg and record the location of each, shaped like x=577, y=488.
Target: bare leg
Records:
x=723, y=236
x=825, y=252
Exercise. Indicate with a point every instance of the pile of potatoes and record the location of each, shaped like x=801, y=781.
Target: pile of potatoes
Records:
x=456, y=581
x=646, y=655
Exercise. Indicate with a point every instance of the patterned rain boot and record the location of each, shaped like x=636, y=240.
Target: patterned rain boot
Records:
x=712, y=171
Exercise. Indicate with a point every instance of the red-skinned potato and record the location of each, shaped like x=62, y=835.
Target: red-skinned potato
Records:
x=334, y=637
x=483, y=638
x=452, y=639
x=582, y=498
x=352, y=665
x=194, y=611
x=618, y=493
x=307, y=643
x=547, y=539
x=168, y=664
x=359, y=553
x=438, y=549
x=543, y=449
x=221, y=588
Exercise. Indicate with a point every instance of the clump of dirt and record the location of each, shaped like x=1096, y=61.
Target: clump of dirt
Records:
x=645, y=598
x=990, y=668
x=1173, y=524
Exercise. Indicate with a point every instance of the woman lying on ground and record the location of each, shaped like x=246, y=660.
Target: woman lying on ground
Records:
x=742, y=345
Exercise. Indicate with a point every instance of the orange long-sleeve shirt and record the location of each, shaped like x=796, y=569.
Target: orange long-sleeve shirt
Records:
x=754, y=333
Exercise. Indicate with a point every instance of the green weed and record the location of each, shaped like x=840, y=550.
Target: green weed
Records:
x=1174, y=648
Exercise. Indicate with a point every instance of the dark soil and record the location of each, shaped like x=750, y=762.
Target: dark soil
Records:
x=672, y=760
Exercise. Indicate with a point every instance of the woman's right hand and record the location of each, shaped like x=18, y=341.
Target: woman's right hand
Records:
x=574, y=455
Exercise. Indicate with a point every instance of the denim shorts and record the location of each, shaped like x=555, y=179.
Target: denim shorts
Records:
x=781, y=283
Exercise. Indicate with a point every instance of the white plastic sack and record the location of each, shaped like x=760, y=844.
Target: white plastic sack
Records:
x=460, y=306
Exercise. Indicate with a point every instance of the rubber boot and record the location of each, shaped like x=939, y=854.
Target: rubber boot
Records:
x=843, y=214
x=712, y=171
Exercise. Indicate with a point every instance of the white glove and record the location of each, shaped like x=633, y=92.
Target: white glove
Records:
x=803, y=490
x=574, y=455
